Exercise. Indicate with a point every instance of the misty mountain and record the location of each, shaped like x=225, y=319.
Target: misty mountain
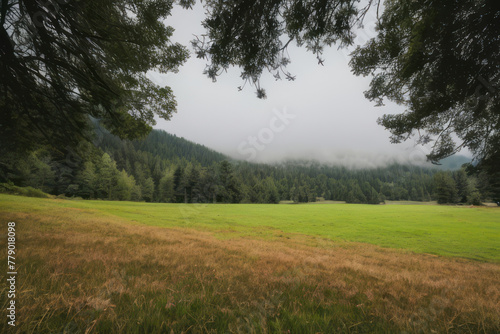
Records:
x=454, y=162
x=195, y=168
x=165, y=168
x=162, y=145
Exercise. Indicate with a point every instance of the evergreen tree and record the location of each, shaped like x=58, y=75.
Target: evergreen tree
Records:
x=139, y=173
x=209, y=184
x=180, y=185
x=106, y=176
x=271, y=192
x=136, y=192
x=187, y=180
x=355, y=194
x=87, y=181
x=166, y=187
x=446, y=190
x=374, y=197
x=294, y=194
x=148, y=189
x=41, y=176
x=192, y=183
x=462, y=184
x=229, y=190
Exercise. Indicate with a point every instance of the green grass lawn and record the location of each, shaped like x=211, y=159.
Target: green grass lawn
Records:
x=466, y=232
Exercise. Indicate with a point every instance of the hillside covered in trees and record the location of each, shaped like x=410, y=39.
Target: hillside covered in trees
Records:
x=165, y=168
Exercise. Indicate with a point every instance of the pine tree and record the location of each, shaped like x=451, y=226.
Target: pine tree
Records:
x=42, y=175
x=192, y=183
x=179, y=185
x=106, y=176
x=229, y=190
x=271, y=191
x=374, y=197
x=462, y=184
x=446, y=190
x=166, y=188
x=148, y=189
x=86, y=180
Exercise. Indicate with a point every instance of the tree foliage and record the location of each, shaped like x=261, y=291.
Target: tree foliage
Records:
x=440, y=60
x=446, y=188
x=250, y=34
x=62, y=61
x=126, y=170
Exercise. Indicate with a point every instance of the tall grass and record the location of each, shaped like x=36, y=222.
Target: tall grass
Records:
x=80, y=270
x=8, y=188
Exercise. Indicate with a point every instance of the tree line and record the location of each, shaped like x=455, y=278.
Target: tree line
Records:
x=165, y=168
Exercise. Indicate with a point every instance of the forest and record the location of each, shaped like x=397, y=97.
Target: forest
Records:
x=59, y=65
x=165, y=168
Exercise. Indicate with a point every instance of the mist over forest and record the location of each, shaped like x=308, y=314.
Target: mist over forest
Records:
x=166, y=168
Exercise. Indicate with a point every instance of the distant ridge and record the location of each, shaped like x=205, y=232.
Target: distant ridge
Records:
x=453, y=162
x=165, y=168
x=166, y=146
x=169, y=147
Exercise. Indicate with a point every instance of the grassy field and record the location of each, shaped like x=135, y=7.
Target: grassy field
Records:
x=96, y=266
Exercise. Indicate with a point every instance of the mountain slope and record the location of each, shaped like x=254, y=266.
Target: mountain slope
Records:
x=165, y=146
x=166, y=168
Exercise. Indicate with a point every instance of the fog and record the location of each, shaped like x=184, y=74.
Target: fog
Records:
x=322, y=115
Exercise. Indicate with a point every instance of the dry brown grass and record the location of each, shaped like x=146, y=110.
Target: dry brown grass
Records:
x=73, y=263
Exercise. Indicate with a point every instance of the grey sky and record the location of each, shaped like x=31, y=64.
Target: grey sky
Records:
x=330, y=120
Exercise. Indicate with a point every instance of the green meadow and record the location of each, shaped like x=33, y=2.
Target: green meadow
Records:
x=457, y=231
x=126, y=267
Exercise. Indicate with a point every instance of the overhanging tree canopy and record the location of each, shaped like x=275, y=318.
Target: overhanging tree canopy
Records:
x=254, y=34
x=61, y=61
x=440, y=59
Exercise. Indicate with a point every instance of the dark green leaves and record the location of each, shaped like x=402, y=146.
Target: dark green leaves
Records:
x=441, y=60
x=72, y=59
x=253, y=35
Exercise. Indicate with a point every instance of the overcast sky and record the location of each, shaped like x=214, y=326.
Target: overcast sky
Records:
x=323, y=114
